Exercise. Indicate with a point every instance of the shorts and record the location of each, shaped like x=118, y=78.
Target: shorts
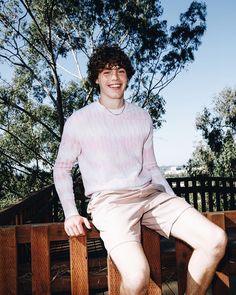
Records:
x=118, y=215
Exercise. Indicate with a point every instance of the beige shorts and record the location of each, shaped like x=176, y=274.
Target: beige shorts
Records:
x=118, y=215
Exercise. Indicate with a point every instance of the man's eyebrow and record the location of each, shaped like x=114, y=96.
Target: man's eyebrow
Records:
x=111, y=66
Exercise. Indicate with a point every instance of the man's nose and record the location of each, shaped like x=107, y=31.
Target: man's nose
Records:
x=114, y=75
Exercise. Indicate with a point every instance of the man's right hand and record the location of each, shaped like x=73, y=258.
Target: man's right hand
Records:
x=74, y=225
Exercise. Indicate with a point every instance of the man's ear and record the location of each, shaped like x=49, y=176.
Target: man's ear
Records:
x=96, y=81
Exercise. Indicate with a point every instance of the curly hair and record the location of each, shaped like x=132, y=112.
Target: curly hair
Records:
x=107, y=55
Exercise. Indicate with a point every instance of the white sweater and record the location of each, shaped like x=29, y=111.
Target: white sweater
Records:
x=114, y=152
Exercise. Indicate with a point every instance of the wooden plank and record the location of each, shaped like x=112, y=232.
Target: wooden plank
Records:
x=153, y=288
x=40, y=260
x=183, y=254
x=202, y=191
x=79, y=265
x=225, y=196
x=217, y=217
x=152, y=250
x=195, y=200
x=232, y=195
x=203, y=202
x=186, y=195
x=221, y=281
x=114, y=278
x=27, y=205
x=56, y=232
x=211, y=202
x=221, y=284
x=230, y=219
x=8, y=261
x=217, y=195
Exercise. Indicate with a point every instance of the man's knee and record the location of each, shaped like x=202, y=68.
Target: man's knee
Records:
x=137, y=281
x=217, y=243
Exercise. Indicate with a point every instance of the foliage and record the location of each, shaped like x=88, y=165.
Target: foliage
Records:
x=216, y=156
x=39, y=39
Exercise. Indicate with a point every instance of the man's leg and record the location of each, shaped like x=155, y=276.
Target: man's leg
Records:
x=208, y=242
x=132, y=264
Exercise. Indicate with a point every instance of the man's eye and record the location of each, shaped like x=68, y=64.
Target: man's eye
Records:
x=106, y=72
x=121, y=71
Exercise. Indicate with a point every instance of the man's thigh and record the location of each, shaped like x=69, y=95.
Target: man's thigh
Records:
x=118, y=220
x=161, y=212
x=194, y=228
x=130, y=259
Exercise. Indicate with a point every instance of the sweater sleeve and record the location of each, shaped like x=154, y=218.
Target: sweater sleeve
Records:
x=149, y=163
x=68, y=152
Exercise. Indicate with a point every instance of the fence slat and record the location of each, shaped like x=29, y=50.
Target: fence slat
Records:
x=183, y=254
x=79, y=266
x=8, y=261
x=114, y=278
x=40, y=259
x=153, y=288
x=152, y=249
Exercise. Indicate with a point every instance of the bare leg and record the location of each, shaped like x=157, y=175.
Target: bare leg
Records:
x=208, y=242
x=132, y=264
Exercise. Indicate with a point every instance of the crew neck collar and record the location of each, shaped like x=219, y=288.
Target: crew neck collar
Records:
x=114, y=112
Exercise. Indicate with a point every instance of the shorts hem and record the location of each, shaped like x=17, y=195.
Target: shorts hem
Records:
x=168, y=234
x=123, y=242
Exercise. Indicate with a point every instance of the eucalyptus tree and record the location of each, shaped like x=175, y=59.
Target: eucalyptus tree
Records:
x=46, y=45
x=216, y=154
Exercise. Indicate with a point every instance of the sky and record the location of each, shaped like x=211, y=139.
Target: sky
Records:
x=193, y=89
x=213, y=69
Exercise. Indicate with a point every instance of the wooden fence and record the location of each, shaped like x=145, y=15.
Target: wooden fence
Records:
x=41, y=281
x=207, y=193
x=41, y=206
x=204, y=193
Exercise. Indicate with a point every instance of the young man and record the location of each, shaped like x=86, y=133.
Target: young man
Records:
x=112, y=141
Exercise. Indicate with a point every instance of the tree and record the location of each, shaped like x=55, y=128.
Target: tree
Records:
x=37, y=38
x=216, y=156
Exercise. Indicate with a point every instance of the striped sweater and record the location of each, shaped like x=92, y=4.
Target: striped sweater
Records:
x=114, y=152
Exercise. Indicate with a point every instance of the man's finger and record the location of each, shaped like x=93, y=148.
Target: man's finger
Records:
x=87, y=223
x=81, y=229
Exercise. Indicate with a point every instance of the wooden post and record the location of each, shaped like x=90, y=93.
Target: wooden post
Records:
x=8, y=261
x=79, y=266
x=183, y=254
x=114, y=278
x=40, y=259
x=152, y=250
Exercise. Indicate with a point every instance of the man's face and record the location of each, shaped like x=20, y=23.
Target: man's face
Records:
x=112, y=81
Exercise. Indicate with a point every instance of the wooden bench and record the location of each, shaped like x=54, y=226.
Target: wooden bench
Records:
x=39, y=237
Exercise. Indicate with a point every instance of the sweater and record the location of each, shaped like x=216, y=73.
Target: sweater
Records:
x=114, y=152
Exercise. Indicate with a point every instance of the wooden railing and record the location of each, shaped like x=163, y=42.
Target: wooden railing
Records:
x=38, y=238
x=204, y=193
x=207, y=193
x=41, y=206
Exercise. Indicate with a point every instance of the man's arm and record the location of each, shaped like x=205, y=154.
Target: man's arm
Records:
x=68, y=152
x=149, y=162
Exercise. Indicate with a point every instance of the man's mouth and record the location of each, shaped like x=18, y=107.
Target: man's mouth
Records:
x=115, y=86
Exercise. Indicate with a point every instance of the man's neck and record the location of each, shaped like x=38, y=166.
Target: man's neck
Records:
x=112, y=103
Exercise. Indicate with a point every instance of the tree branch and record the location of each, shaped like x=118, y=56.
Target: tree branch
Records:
x=25, y=145
x=20, y=164
x=7, y=102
